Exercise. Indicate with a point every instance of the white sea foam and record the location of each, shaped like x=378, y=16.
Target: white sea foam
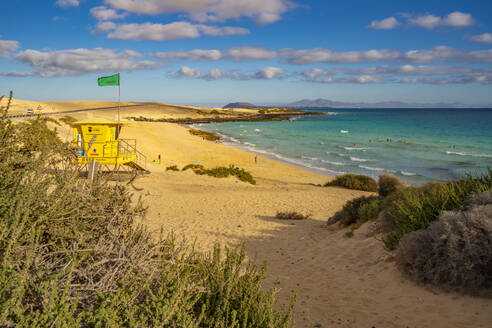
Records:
x=455, y=153
x=466, y=154
x=331, y=162
x=310, y=158
x=371, y=168
x=356, y=159
x=250, y=144
x=257, y=130
x=344, y=131
x=355, y=148
x=408, y=173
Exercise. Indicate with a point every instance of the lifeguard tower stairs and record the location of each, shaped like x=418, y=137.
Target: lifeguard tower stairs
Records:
x=98, y=141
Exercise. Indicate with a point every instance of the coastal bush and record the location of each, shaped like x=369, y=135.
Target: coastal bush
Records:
x=205, y=135
x=351, y=211
x=454, y=252
x=172, y=168
x=71, y=255
x=222, y=172
x=414, y=208
x=193, y=167
x=354, y=181
x=370, y=210
x=291, y=216
x=389, y=184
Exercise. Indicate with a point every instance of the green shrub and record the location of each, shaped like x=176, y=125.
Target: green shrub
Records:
x=291, y=216
x=172, y=168
x=71, y=255
x=351, y=211
x=354, y=181
x=349, y=234
x=370, y=210
x=215, y=112
x=222, y=172
x=414, y=208
x=193, y=167
x=454, y=252
x=389, y=184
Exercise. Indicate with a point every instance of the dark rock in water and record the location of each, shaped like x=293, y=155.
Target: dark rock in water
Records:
x=240, y=105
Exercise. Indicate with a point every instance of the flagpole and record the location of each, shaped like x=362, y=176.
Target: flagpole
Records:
x=119, y=82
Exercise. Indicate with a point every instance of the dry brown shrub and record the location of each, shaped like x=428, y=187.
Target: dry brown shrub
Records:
x=389, y=184
x=454, y=253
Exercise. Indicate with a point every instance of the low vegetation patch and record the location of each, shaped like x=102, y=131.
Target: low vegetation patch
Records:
x=389, y=184
x=172, y=168
x=291, y=216
x=357, y=210
x=415, y=208
x=71, y=255
x=354, y=181
x=193, y=167
x=205, y=135
x=222, y=172
x=454, y=252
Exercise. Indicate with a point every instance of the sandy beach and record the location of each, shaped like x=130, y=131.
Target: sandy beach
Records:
x=339, y=282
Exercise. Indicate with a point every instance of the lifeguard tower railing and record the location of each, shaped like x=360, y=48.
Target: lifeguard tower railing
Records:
x=129, y=146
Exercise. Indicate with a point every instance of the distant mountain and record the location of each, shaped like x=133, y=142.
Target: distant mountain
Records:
x=240, y=105
x=323, y=103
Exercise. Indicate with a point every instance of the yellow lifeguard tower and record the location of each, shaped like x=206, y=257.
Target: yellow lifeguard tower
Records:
x=98, y=141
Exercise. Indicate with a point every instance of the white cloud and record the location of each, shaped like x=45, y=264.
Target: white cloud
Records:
x=265, y=73
x=482, y=38
x=482, y=78
x=322, y=55
x=103, y=27
x=192, y=55
x=186, y=71
x=237, y=54
x=250, y=53
x=16, y=74
x=430, y=21
x=67, y=3
x=7, y=46
x=262, y=11
x=439, y=53
x=481, y=56
x=269, y=73
x=104, y=13
x=82, y=61
x=172, y=31
x=385, y=24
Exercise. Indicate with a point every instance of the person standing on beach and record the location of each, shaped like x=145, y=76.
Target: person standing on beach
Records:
x=256, y=158
x=159, y=158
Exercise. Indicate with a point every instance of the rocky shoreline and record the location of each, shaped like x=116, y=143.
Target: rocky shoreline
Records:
x=267, y=117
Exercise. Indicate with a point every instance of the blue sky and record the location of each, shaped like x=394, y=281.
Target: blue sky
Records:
x=210, y=52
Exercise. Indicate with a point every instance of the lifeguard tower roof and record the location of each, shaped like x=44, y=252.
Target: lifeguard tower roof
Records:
x=102, y=121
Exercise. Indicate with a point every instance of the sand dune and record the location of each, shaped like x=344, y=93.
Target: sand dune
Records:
x=340, y=282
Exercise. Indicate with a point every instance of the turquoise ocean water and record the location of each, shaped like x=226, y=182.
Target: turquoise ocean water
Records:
x=418, y=145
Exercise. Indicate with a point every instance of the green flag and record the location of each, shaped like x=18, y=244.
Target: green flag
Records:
x=109, y=80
